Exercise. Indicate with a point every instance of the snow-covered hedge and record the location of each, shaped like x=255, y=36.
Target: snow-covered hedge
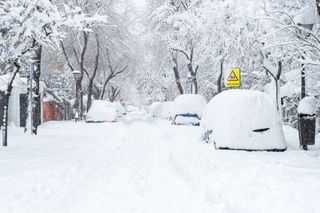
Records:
x=243, y=120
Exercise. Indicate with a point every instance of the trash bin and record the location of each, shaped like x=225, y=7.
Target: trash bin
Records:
x=307, y=122
x=307, y=130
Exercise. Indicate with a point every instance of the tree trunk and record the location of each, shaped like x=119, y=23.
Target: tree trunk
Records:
x=103, y=91
x=95, y=69
x=113, y=94
x=177, y=74
x=6, y=106
x=36, y=91
x=219, y=82
x=90, y=91
x=77, y=104
x=277, y=82
x=193, y=75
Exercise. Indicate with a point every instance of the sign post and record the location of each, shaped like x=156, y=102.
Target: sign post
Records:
x=233, y=78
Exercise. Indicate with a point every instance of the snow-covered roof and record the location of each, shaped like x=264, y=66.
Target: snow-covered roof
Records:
x=243, y=120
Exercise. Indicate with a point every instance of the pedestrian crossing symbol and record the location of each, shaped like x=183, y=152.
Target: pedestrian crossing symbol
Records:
x=233, y=78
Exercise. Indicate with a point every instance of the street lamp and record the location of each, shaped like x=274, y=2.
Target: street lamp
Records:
x=306, y=19
x=303, y=73
x=190, y=81
x=77, y=77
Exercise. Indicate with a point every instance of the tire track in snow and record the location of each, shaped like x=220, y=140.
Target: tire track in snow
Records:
x=136, y=174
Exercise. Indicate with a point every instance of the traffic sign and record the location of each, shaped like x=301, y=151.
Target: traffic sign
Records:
x=233, y=78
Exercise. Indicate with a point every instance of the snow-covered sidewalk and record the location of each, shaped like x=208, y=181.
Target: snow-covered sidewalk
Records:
x=146, y=165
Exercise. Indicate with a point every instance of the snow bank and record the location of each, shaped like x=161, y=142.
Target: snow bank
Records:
x=242, y=120
x=161, y=109
x=188, y=104
x=101, y=111
x=308, y=106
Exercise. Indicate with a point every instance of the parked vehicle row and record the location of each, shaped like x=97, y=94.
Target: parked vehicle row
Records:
x=234, y=119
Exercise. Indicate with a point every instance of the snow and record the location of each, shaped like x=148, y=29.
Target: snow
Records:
x=308, y=106
x=289, y=89
x=188, y=103
x=267, y=64
x=100, y=111
x=233, y=119
x=186, y=120
x=161, y=109
x=147, y=165
x=120, y=110
x=306, y=15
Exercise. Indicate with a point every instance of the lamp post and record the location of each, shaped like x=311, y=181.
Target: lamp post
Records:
x=77, y=77
x=306, y=19
x=303, y=73
x=190, y=81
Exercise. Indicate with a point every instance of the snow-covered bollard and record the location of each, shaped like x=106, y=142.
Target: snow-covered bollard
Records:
x=307, y=121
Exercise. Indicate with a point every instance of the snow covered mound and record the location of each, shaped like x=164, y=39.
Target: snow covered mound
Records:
x=101, y=111
x=161, y=109
x=188, y=106
x=243, y=120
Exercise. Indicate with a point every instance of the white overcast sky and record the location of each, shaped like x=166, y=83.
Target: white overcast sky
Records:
x=139, y=3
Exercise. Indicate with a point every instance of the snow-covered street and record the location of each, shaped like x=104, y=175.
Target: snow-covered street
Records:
x=142, y=164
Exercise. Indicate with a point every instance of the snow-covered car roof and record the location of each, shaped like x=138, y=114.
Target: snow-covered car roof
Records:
x=243, y=120
x=188, y=104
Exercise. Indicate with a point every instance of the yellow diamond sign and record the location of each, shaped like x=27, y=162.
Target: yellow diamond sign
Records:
x=233, y=78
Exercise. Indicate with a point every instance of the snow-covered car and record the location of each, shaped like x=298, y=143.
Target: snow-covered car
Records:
x=100, y=111
x=187, y=109
x=161, y=109
x=243, y=120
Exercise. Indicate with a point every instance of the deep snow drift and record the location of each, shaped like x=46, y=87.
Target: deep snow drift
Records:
x=141, y=164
